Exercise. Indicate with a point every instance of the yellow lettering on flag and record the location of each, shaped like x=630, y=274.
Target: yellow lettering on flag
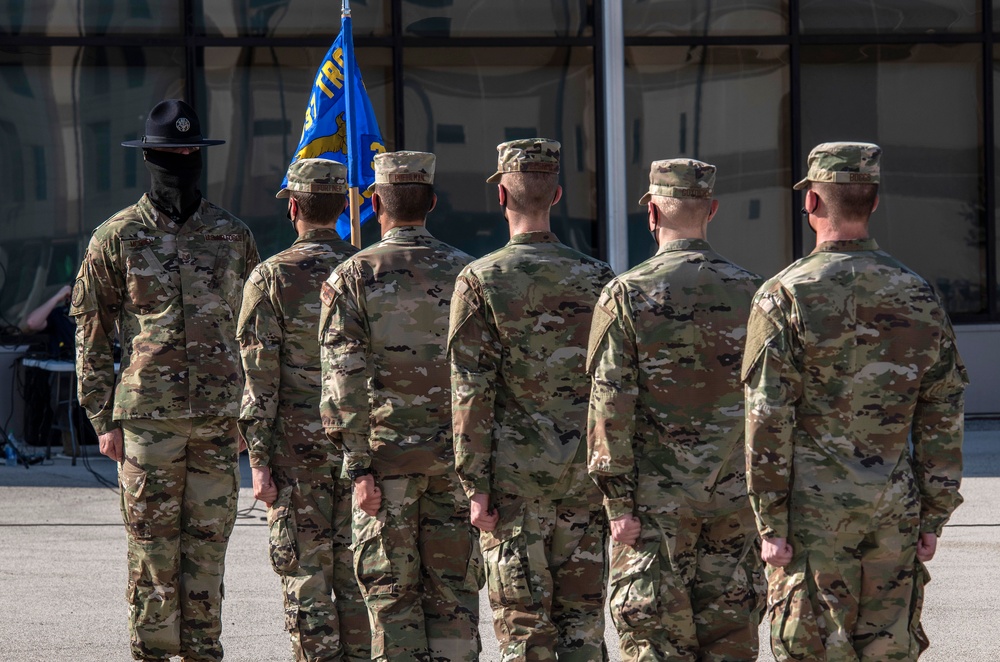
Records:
x=334, y=73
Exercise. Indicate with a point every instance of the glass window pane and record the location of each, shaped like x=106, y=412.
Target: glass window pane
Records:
x=64, y=112
x=726, y=105
x=256, y=102
x=507, y=18
x=461, y=103
x=922, y=104
x=58, y=18
x=888, y=16
x=285, y=18
x=672, y=18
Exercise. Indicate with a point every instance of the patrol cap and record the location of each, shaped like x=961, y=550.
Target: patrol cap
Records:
x=404, y=168
x=315, y=176
x=843, y=163
x=680, y=178
x=527, y=155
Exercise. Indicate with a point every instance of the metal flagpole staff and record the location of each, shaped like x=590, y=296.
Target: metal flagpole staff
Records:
x=352, y=192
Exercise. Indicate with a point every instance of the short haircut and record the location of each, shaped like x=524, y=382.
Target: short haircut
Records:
x=848, y=201
x=408, y=203
x=320, y=208
x=530, y=191
x=683, y=211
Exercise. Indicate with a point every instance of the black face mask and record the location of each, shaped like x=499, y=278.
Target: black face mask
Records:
x=174, y=186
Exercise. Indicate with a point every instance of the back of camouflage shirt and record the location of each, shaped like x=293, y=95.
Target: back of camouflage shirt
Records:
x=523, y=313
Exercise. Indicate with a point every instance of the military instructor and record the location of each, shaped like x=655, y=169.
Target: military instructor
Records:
x=165, y=276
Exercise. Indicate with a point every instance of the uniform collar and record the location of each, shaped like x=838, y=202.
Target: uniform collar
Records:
x=535, y=238
x=684, y=245
x=161, y=220
x=407, y=232
x=317, y=234
x=847, y=246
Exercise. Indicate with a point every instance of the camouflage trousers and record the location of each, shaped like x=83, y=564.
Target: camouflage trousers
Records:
x=849, y=597
x=310, y=548
x=546, y=571
x=691, y=589
x=419, y=568
x=179, y=485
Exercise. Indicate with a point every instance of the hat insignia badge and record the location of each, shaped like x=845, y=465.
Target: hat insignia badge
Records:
x=183, y=124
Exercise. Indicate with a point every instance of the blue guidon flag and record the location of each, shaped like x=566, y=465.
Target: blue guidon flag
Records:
x=340, y=124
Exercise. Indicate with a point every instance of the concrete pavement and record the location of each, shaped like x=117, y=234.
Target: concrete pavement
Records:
x=62, y=570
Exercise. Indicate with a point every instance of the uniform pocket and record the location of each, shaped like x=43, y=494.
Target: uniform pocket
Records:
x=794, y=631
x=505, y=555
x=148, y=283
x=919, y=642
x=281, y=538
x=635, y=583
x=133, y=499
x=372, y=561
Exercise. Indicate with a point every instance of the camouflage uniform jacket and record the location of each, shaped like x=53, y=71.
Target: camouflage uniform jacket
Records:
x=277, y=332
x=174, y=292
x=666, y=410
x=385, y=367
x=518, y=342
x=848, y=354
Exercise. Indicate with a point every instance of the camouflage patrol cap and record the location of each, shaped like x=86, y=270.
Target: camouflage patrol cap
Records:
x=315, y=176
x=843, y=163
x=404, y=168
x=527, y=155
x=680, y=178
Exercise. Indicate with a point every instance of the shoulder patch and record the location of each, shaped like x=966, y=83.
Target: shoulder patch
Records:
x=761, y=330
x=78, y=292
x=603, y=318
x=327, y=293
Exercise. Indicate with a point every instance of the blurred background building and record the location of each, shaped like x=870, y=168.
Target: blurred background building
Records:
x=749, y=85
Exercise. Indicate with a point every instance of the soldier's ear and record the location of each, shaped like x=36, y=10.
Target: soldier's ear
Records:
x=557, y=197
x=376, y=203
x=652, y=216
x=875, y=204
x=502, y=195
x=714, y=209
x=434, y=203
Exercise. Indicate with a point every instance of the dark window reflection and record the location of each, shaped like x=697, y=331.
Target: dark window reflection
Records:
x=670, y=18
x=64, y=112
x=888, y=16
x=922, y=104
x=59, y=18
x=256, y=101
x=488, y=96
x=287, y=18
x=497, y=18
x=726, y=105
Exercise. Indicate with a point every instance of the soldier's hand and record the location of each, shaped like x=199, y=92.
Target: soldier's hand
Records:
x=926, y=546
x=112, y=444
x=264, y=488
x=776, y=552
x=626, y=530
x=480, y=514
x=367, y=495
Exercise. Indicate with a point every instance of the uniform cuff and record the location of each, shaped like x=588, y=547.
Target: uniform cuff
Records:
x=104, y=423
x=355, y=461
x=619, y=507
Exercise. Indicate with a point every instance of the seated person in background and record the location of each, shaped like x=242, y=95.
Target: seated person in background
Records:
x=53, y=317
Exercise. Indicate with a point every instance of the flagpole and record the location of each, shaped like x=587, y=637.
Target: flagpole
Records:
x=352, y=192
